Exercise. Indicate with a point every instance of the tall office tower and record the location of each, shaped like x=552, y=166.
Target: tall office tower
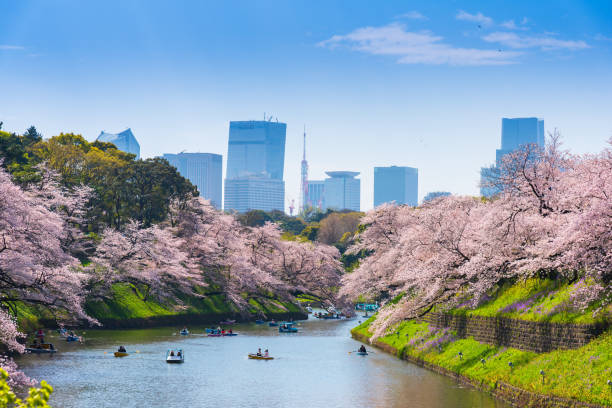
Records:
x=304, y=179
x=125, y=141
x=255, y=164
x=316, y=194
x=398, y=184
x=204, y=170
x=519, y=132
x=516, y=132
x=342, y=190
x=254, y=193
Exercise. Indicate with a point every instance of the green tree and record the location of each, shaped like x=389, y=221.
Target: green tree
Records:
x=37, y=397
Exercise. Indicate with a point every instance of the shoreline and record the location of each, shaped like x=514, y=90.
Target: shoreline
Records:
x=515, y=396
x=177, y=320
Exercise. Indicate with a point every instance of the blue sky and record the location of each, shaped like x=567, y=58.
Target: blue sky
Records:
x=414, y=83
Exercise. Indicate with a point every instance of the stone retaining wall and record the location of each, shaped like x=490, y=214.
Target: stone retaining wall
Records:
x=540, y=337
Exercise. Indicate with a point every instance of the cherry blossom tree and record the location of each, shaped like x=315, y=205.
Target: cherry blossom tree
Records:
x=34, y=266
x=151, y=258
x=553, y=217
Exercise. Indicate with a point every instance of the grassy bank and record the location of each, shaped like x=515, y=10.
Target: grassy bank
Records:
x=127, y=304
x=580, y=374
x=540, y=300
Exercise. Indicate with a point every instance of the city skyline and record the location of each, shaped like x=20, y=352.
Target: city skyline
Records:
x=364, y=102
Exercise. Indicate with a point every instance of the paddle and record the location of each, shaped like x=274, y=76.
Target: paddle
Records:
x=357, y=351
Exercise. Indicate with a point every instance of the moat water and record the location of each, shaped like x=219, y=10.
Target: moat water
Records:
x=312, y=368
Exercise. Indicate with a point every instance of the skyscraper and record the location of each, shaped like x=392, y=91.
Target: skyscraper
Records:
x=316, y=194
x=125, y=141
x=342, y=190
x=205, y=170
x=398, y=184
x=255, y=165
x=516, y=132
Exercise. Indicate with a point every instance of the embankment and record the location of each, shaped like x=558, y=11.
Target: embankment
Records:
x=528, y=364
x=126, y=307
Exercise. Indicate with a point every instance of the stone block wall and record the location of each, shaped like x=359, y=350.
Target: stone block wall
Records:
x=540, y=337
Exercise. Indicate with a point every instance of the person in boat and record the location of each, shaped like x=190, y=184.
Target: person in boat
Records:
x=362, y=349
x=223, y=331
x=40, y=335
x=266, y=354
x=178, y=353
x=122, y=349
x=230, y=331
x=172, y=353
x=258, y=352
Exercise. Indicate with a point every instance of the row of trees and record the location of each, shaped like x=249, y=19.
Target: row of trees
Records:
x=124, y=189
x=553, y=217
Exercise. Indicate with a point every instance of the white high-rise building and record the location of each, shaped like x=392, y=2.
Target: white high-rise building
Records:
x=204, y=170
x=342, y=190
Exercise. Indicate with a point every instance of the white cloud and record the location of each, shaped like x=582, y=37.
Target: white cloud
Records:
x=6, y=47
x=513, y=40
x=416, y=47
x=475, y=18
x=413, y=15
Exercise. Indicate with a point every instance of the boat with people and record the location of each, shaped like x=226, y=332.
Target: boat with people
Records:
x=41, y=348
x=327, y=316
x=259, y=321
x=272, y=323
x=361, y=351
x=184, y=332
x=220, y=333
x=121, y=352
x=287, y=327
x=175, y=356
x=256, y=357
x=261, y=355
x=72, y=337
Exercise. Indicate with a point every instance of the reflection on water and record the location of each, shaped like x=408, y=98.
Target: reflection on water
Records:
x=311, y=368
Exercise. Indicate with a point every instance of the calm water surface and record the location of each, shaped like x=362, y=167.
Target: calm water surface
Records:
x=312, y=369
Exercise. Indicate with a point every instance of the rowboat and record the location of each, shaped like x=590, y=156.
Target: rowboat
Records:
x=72, y=337
x=45, y=348
x=230, y=334
x=256, y=357
x=121, y=354
x=259, y=321
x=272, y=324
x=287, y=327
x=184, y=332
x=175, y=356
x=362, y=353
x=214, y=335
